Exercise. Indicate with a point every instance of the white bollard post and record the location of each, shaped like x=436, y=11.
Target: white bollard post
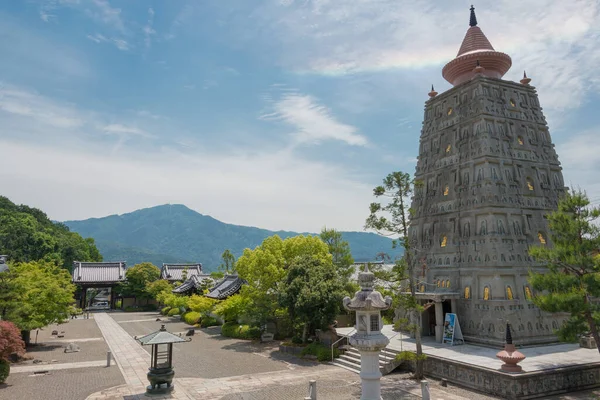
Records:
x=312, y=391
x=108, y=358
x=425, y=390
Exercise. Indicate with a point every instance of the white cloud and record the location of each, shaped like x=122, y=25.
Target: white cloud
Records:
x=33, y=107
x=148, y=29
x=580, y=158
x=120, y=44
x=247, y=187
x=72, y=158
x=122, y=129
x=104, y=13
x=311, y=121
x=555, y=41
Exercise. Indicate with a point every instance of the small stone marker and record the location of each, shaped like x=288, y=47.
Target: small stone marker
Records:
x=72, y=348
x=54, y=333
x=190, y=332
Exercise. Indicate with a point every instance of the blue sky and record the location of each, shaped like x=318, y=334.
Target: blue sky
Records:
x=281, y=114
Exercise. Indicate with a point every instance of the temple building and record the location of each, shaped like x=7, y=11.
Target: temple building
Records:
x=180, y=272
x=97, y=275
x=489, y=175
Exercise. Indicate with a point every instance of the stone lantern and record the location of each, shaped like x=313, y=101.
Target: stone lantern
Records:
x=368, y=339
x=160, y=374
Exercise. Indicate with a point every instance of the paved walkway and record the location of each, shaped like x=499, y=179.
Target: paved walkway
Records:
x=55, y=367
x=132, y=359
x=332, y=383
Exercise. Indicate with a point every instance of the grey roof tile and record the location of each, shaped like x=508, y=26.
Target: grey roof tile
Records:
x=101, y=272
x=228, y=286
x=174, y=272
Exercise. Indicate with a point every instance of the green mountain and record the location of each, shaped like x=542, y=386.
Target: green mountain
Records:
x=174, y=233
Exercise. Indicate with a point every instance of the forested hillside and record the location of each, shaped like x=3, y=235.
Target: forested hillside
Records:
x=27, y=234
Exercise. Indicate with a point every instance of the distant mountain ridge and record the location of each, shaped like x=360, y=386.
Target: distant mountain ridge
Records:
x=175, y=233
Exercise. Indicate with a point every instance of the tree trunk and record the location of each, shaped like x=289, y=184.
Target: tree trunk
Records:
x=26, y=336
x=419, y=363
x=593, y=328
x=304, y=333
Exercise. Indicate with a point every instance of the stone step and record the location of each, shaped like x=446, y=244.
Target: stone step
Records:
x=351, y=357
x=385, y=357
x=349, y=368
x=350, y=360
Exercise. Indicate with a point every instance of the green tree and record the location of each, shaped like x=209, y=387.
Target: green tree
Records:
x=228, y=264
x=172, y=300
x=156, y=287
x=312, y=293
x=201, y=304
x=392, y=218
x=136, y=280
x=265, y=270
x=231, y=309
x=572, y=282
x=340, y=252
x=35, y=294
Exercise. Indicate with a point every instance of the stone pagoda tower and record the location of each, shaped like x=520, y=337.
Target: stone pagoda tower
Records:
x=489, y=173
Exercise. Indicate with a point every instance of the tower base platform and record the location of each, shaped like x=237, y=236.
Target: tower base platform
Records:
x=548, y=370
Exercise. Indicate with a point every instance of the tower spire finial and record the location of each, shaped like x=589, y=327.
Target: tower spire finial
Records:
x=473, y=20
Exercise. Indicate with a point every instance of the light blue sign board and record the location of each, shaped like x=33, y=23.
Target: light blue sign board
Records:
x=452, y=333
x=449, y=323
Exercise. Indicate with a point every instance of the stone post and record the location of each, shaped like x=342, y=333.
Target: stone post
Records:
x=439, y=321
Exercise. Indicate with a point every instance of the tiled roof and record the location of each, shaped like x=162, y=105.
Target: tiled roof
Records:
x=228, y=286
x=102, y=272
x=192, y=283
x=3, y=265
x=174, y=272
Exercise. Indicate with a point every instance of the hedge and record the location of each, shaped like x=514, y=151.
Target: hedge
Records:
x=173, y=311
x=165, y=310
x=209, y=321
x=234, y=330
x=4, y=370
x=191, y=317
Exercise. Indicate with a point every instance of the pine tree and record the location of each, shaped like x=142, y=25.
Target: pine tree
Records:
x=393, y=218
x=572, y=282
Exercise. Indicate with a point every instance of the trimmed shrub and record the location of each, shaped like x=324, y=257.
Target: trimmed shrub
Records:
x=4, y=370
x=297, y=340
x=319, y=350
x=209, y=321
x=191, y=318
x=173, y=311
x=234, y=330
x=165, y=310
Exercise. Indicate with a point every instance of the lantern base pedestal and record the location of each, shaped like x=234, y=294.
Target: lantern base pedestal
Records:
x=159, y=389
x=161, y=381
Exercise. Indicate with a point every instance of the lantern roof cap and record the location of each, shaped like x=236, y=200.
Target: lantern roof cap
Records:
x=367, y=299
x=160, y=337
